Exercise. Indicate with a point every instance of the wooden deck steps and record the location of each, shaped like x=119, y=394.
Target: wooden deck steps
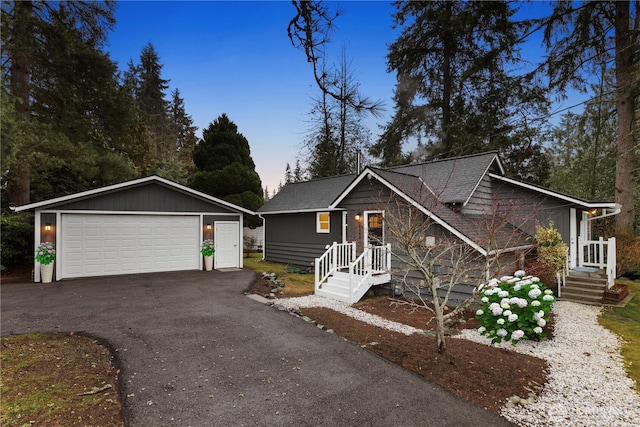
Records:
x=585, y=285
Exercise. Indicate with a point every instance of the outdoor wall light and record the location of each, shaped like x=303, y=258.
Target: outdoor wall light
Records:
x=47, y=227
x=208, y=226
x=357, y=217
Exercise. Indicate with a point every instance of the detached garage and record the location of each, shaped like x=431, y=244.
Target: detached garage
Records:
x=141, y=226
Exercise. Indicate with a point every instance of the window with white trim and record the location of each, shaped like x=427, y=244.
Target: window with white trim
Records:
x=323, y=222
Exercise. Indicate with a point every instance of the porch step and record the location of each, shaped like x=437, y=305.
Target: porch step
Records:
x=584, y=286
x=337, y=286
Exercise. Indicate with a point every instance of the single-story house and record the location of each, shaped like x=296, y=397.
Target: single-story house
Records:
x=461, y=196
x=145, y=225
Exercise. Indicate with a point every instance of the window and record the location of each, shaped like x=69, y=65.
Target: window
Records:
x=323, y=222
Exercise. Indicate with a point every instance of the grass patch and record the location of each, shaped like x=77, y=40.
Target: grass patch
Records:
x=625, y=322
x=295, y=284
x=44, y=377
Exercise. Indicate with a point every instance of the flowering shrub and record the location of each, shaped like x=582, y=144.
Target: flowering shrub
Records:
x=514, y=308
x=207, y=248
x=46, y=253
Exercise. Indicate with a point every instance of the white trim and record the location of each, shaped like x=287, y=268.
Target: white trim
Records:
x=365, y=221
x=365, y=173
x=319, y=230
x=573, y=238
x=418, y=206
x=607, y=205
x=295, y=211
x=344, y=226
x=101, y=212
x=475, y=187
x=111, y=188
x=239, y=244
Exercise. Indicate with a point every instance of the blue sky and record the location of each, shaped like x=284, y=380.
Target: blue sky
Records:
x=235, y=58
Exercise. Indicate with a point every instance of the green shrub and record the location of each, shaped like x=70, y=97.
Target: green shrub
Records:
x=628, y=254
x=16, y=239
x=514, y=308
x=552, y=251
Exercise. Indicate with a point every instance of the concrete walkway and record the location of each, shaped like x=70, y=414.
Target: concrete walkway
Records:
x=195, y=351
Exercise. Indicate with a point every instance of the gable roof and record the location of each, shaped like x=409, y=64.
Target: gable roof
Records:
x=454, y=180
x=51, y=203
x=307, y=196
x=434, y=188
x=571, y=199
x=475, y=230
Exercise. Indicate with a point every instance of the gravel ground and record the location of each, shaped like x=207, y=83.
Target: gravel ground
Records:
x=587, y=383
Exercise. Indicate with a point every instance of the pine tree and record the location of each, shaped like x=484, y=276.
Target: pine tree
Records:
x=65, y=96
x=224, y=167
x=583, y=36
x=454, y=92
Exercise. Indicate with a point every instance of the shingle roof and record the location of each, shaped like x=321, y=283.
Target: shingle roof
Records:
x=476, y=228
x=316, y=194
x=454, y=180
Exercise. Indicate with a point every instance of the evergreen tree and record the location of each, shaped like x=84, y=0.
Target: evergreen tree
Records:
x=455, y=94
x=224, y=167
x=150, y=93
x=583, y=36
x=288, y=178
x=583, y=152
x=65, y=96
x=337, y=135
x=183, y=130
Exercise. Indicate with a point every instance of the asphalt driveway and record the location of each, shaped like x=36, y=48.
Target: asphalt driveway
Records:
x=195, y=351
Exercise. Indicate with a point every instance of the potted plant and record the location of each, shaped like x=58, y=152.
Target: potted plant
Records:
x=207, y=249
x=617, y=292
x=45, y=255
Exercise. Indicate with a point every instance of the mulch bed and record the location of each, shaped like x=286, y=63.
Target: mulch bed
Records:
x=484, y=375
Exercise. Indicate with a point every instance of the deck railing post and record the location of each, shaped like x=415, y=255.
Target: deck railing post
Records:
x=611, y=262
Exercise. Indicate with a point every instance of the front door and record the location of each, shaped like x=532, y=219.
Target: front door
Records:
x=373, y=234
x=373, y=228
x=227, y=239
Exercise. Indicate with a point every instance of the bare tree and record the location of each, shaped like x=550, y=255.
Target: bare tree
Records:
x=309, y=30
x=443, y=269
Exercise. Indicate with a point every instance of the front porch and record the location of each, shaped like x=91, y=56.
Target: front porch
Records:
x=593, y=272
x=343, y=275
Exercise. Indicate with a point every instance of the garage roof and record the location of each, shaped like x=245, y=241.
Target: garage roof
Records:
x=123, y=186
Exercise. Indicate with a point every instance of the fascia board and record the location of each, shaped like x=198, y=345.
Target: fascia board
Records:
x=592, y=205
x=430, y=214
x=126, y=184
x=295, y=211
x=475, y=187
x=350, y=187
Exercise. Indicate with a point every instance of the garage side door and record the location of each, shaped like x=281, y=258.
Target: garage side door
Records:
x=227, y=244
x=101, y=245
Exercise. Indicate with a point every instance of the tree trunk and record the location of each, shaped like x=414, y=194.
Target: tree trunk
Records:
x=439, y=314
x=19, y=176
x=625, y=110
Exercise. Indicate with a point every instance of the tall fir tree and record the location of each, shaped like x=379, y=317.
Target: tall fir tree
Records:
x=580, y=37
x=65, y=93
x=225, y=169
x=455, y=92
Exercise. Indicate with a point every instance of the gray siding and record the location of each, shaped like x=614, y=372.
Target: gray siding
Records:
x=531, y=208
x=482, y=200
x=292, y=238
x=151, y=197
x=374, y=196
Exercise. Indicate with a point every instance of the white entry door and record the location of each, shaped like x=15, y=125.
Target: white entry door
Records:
x=227, y=240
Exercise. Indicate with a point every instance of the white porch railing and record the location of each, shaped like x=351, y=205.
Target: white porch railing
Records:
x=600, y=254
x=373, y=260
x=337, y=256
x=612, y=268
x=371, y=267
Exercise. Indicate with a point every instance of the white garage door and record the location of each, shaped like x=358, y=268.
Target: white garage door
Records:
x=100, y=245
